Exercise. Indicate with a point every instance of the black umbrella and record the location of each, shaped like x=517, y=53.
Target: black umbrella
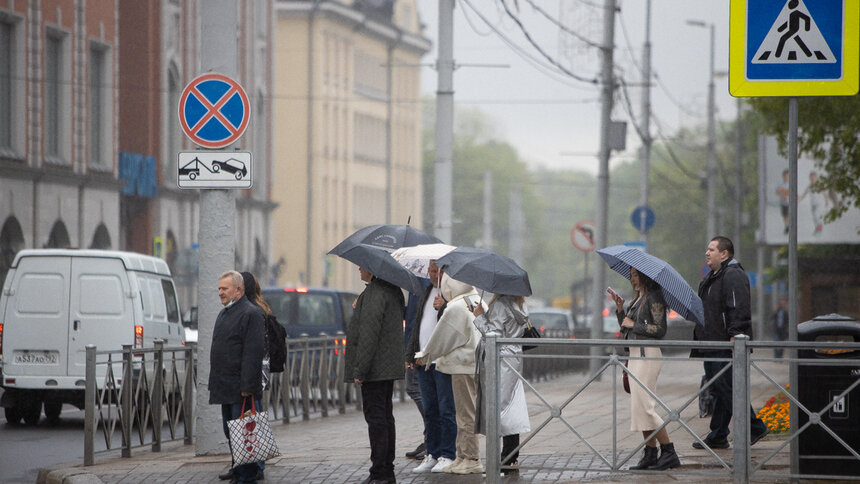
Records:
x=486, y=270
x=370, y=248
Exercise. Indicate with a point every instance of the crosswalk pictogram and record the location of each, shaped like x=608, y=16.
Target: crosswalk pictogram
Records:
x=794, y=37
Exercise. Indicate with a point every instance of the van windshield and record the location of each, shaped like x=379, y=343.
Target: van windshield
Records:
x=296, y=309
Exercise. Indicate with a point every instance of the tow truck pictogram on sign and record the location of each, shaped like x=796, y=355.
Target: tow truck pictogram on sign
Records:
x=794, y=37
x=212, y=169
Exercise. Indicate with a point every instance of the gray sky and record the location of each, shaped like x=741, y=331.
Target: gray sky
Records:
x=544, y=113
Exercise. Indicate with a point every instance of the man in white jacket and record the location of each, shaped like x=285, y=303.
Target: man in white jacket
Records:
x=452, y=345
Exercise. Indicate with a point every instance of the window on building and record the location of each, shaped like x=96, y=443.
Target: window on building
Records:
x=6, y=72
x=99, y=106
x=57, y=95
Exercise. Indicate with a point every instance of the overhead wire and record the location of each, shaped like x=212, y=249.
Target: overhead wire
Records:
x=550, y=71
x=563, y=27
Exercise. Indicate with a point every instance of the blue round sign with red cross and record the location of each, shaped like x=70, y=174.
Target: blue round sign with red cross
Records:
x=214, y=110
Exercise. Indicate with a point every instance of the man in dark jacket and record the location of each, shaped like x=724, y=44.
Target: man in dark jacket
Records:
x=374, y=359
x=725, y=293
x=236, y=360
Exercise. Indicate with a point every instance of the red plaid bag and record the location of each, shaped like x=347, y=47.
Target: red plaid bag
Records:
x=251, y=438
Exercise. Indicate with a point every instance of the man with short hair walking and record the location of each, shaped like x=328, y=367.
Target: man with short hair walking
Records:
x=725, y=293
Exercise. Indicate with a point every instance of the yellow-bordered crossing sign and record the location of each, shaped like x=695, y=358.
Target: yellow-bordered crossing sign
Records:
x=794, y=47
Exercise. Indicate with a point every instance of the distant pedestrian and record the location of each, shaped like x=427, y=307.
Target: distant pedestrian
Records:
x=452, y=345
x=236, y=361
x=645, y=319
x=374, y=359
x=780, y=325
x=506, y=315
x=725, y=293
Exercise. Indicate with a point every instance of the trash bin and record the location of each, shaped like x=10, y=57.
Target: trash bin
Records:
x=817, y=386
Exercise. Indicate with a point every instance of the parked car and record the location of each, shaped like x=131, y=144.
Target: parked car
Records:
x=549, y=320
x=310, y=311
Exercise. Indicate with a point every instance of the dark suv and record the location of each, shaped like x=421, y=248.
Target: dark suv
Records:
x=310, y=311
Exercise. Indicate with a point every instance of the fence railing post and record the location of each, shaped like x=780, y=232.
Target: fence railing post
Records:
x=339, y=374
x=157, y=395
x=741, y=409
x=89, y=406
x=129, y=406
x=304, y=382
x=286, y=383
x=491, y=410
x=187, y=397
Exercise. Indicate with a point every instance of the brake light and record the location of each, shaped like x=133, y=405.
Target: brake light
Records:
x=289, y=289
x=336, y=344
x=606, y=311
x=138, y=336
x=673, y=314
x=1, y=338
x=542, y=329
x=301, y=289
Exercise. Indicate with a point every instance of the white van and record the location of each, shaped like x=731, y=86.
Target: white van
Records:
x=55, y=302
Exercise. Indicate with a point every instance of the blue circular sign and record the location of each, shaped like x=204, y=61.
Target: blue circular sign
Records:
x=214, y=110
x=643, y=218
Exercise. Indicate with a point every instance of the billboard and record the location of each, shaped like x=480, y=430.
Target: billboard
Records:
x=811, y=205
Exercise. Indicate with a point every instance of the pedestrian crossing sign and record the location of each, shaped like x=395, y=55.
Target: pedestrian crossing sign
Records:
x=794, y=47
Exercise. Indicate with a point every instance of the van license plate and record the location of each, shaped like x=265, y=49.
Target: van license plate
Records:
x=37, y=358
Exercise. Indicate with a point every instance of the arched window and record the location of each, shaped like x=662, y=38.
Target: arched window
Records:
x=11, y=241
x=101, y=238
x=59, y=238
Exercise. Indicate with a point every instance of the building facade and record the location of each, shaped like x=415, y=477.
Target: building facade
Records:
x=59, y=170
x=347, y=118
x=89, y=129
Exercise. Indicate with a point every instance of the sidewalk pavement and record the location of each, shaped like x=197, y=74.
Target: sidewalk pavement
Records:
x=336, y=450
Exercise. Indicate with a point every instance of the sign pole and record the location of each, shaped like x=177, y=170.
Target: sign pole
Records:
x=792, y=275
x=216, y=234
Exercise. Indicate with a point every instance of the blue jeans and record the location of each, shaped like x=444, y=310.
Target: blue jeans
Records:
x=440, y=417
x=231, y=411
x=721, y=389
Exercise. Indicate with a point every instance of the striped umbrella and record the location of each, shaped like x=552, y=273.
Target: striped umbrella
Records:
x=677, y=293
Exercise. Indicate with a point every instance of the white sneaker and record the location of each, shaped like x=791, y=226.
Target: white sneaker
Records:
x=441, y=464
x=450, y=468
x=426, y=465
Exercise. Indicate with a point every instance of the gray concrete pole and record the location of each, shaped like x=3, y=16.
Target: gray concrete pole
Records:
x=711, y=167
x=218, y=53
x=487, y=237
x=442, y=203
x=608, y=85
x=646, y=120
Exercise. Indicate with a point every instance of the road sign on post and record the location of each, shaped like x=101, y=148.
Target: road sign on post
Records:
x=643, y=218
x=214, y=169
x=794, y=48
x=214, y=110
x=582, y=235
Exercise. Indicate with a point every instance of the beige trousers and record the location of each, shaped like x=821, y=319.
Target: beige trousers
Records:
x=465, y=392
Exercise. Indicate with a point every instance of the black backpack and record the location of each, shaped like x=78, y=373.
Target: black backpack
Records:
x=276, y=339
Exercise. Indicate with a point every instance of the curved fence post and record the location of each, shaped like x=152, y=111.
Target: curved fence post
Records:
x=157, y=395
x=128, y=405
x=89, y=406
x=304, y=381
x=187, y=403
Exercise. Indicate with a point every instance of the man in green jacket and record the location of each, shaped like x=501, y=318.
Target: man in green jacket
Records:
x=374, y=359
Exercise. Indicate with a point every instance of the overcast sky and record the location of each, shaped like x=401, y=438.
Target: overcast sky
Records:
x=554, y=120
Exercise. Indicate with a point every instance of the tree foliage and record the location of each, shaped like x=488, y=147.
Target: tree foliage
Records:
x=828, y=132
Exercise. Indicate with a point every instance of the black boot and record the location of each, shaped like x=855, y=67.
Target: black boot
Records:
x=668, y=458
x=648, y=459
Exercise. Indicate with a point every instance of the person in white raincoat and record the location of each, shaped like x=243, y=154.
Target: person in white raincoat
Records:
x=506, y=315
x=452, y=345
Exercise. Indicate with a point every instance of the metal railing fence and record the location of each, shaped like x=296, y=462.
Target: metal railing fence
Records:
x=142, y=389
x=741, y=362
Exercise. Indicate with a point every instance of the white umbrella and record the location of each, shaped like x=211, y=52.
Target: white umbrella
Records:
x=416, y=259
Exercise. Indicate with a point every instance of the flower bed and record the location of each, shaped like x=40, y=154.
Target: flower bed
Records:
x=774, y=413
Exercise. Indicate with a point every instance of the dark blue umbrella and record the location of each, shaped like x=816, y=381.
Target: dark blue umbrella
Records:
x=677, y=293
x=486, y=270
x=370, y=248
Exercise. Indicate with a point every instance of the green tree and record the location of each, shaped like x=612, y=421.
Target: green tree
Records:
x=828, y=132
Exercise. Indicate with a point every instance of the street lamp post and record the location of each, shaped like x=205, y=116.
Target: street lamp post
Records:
x=710, y=167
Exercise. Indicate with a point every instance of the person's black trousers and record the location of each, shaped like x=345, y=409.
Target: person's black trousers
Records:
x=379, y=415
x=722, y=391
x=509, y=443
